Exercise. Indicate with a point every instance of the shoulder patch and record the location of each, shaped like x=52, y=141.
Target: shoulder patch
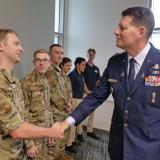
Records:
x=5, y=109
x=5, y=105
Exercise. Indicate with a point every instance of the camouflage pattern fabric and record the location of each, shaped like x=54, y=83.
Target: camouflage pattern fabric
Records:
x=36, y=93
x=59, y=99
x=11, y=117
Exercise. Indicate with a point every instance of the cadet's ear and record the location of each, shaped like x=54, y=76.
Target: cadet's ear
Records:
x=1, y=46
x=33, y=62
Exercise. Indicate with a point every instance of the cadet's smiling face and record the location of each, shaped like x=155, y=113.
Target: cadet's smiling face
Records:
x=91, y=56
x=56, y=54
x=11, y=48
x=66, y=67
x=81, y=67
x=41, y=62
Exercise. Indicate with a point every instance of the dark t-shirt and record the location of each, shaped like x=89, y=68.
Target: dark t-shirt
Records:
x=91, y=76
x=77, y=81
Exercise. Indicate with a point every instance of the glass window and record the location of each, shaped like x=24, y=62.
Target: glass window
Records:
x=56, y=22
x=155, y=7
x=59, y=22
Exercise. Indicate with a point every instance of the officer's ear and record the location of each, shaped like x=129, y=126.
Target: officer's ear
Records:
x=142, y=31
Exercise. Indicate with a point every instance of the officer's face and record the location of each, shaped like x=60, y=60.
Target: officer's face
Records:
x=11, y=48
x=66, y=67
x=41, y=62
x=128, y=36
x=56, y=54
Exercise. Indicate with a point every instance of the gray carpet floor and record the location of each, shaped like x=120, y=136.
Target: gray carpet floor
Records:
x=93, y=149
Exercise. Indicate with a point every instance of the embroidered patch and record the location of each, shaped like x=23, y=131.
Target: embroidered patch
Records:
x=5, y=110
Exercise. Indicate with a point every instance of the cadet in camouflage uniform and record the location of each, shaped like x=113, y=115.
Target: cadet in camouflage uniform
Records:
x=65, y=66
x=59, y=101
x=36, y=92
x=11, y=116
x=13, y=129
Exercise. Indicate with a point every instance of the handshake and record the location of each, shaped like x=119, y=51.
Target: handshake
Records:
x=58, y=129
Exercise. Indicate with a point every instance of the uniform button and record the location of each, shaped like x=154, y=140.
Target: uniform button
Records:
x=128, y=98
x=125, y=125
x=126, y=111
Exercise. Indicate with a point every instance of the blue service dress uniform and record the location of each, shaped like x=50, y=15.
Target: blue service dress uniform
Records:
x=135, y=126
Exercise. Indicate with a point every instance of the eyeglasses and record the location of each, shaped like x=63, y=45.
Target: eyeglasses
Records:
x=38, y=60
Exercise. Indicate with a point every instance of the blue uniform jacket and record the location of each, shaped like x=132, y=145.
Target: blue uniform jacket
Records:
x=135, y=127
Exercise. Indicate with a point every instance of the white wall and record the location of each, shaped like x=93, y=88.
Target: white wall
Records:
x=34, y=22
x=91, y=23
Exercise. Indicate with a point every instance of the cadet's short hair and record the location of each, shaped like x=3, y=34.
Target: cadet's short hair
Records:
x=40, y=51
x=5, y=31
x=141, y=16
x=64, y=61
x=52, y=46
x=91, y=50
x=79, y=60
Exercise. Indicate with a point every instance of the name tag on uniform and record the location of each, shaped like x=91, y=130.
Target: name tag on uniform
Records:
x=152, y=81
x=112, y=80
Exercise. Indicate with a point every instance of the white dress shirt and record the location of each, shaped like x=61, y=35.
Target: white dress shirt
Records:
x=139, y=59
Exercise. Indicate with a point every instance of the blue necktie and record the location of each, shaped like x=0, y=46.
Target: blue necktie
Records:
x=131, y=73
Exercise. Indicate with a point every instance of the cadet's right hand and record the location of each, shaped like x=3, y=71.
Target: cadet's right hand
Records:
x=58, y=131
x=32, y=152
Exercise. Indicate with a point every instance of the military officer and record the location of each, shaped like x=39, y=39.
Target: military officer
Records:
x=134, y=79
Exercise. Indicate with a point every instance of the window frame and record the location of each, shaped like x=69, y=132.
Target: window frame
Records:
x=58, y=36
x=156, y=31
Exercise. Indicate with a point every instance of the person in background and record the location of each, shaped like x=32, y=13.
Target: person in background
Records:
x=36, y=92
x=91, y=77
x=65, y=66
x=13, y=127
x=78, y=89
x=133, y=79
x=59, y=101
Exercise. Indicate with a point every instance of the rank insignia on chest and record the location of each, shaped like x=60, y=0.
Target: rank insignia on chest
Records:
x=152, y=81
x=156, y=66
x=156, y=72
